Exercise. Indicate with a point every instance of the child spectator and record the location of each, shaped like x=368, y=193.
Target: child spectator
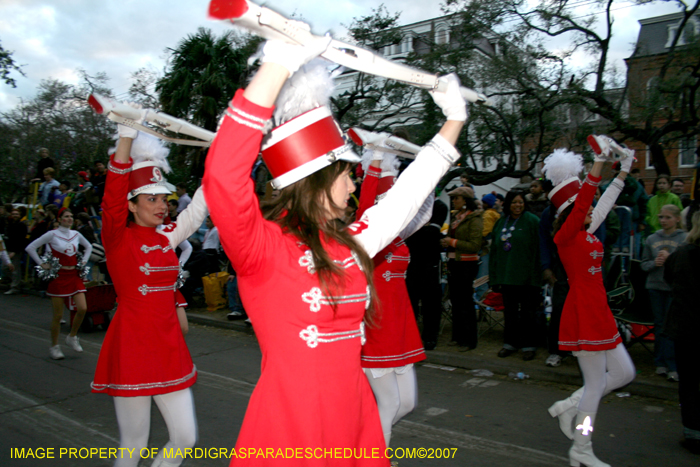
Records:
x=657, y=249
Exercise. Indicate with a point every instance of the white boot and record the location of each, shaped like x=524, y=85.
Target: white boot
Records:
x=582, y=450
x=566, y=411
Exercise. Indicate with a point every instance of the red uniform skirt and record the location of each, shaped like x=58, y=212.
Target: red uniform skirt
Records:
x=68, y=283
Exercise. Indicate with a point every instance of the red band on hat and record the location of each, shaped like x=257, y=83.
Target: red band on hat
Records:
x=303, y=146
x=145, y=176
x=565, y=192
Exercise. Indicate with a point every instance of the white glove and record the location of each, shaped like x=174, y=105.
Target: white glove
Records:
x=451, y=101
x=127, y=131
x=293, y=56
x=626, y=163
x=378, y=142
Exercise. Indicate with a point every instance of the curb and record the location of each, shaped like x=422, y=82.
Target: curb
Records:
x=503, y=366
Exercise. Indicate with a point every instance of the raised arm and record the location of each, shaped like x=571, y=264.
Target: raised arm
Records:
x=227, y=184
x=607, y=201
x=385, y=220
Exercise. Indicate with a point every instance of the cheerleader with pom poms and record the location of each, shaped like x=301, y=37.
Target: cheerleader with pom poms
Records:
x=60, y=264
x=588, y=327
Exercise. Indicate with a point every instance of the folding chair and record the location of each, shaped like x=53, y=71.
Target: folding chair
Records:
x=487, y=314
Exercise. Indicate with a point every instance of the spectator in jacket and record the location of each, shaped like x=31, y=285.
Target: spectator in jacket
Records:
x=463, y=243
x=514, y=270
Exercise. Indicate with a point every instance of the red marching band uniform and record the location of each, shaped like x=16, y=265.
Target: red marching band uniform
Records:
x=394, y=341
x=586, y=322
x=312, y=392
x=64, y=246
x=144, y=352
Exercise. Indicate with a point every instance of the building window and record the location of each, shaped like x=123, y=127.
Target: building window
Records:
x=692, y=28
x=649, y=165
x=687, y=151
x=407, y=45
x=442, y=35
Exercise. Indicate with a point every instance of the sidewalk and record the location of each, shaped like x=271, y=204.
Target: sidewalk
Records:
x=646, y=384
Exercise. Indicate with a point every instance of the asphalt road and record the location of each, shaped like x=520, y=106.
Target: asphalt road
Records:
x=474, y=420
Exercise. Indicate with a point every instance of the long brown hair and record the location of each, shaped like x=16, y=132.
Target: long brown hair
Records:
x=561, y=218
x=300, y=210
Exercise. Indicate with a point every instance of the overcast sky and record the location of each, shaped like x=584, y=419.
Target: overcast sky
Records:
x=53, y=38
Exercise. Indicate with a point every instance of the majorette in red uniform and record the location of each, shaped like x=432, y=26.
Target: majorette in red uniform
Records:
x=393, y=342
x=312, y=393
x=587, y=325
x=144, y=352
x=64, y=245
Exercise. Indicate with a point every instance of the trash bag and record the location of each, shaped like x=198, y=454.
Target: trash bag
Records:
x=214, y=286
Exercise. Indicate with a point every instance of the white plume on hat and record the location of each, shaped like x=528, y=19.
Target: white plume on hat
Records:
x=149, y=148
x=308, y=88
x=562, y=165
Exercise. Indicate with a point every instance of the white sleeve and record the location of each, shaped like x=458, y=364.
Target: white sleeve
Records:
x=32, y=247
x=87, y=246
x=381, y=223
x=605, y=204
x=189, y=220
x=215, y=237
x=423, y=217
x=185, y=251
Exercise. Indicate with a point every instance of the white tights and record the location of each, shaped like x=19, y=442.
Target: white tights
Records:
x=396, y=395
x=603, y=372
x=134, y=419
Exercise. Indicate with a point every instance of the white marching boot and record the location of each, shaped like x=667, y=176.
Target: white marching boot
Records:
x=582, y=450
x=566, y=411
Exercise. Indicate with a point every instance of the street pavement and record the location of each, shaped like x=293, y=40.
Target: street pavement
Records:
x=474, y=418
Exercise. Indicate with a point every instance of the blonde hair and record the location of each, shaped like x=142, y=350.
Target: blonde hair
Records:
x=674, y=211
x=49, y=171
x=694, y=234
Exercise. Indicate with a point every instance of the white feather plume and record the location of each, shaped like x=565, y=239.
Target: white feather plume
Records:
x=562, y=165
x=308, y=88
x=149, y=148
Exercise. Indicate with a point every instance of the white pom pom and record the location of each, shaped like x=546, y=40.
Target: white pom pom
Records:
x=562, y=165
x=149, y=148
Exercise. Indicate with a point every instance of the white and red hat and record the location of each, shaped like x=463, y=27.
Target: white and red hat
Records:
x=150, y=161
x=147, y=178
x=304, y=145
x=562, y=168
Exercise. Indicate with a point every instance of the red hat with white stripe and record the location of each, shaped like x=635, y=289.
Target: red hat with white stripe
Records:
x=150, y=161
x=562, y=168
x=304, y=145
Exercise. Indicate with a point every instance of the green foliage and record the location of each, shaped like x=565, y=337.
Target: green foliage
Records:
x=59, y=119
x=203, y=74
x=7, y=64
